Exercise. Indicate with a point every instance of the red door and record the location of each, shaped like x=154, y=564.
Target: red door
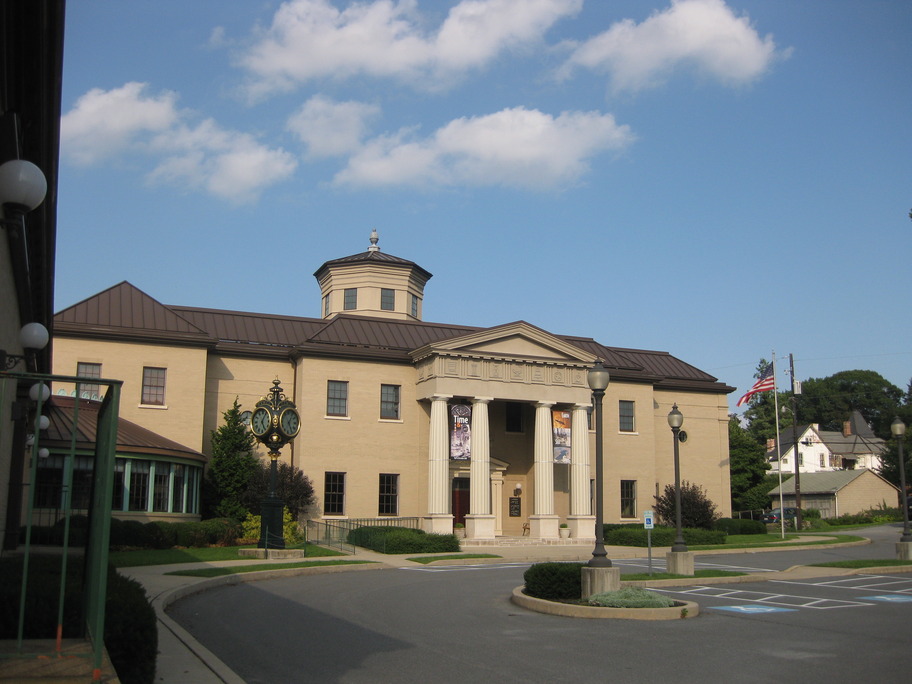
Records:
x=460, y=499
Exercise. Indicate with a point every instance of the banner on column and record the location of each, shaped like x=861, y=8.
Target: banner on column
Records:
x=561, y=421
x=461, y=432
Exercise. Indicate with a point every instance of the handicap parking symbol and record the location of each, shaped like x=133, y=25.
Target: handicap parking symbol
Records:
x=753, y=609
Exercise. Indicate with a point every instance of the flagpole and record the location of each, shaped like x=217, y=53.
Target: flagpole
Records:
x=778, y=450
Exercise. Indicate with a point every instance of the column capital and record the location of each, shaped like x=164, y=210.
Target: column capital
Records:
x=581, y=407
x=482, y=400
x=440, y=397
x=544, y=404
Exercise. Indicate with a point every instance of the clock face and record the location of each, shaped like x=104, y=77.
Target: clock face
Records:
x=260, y=421
x=245, y=418
x=290, y=422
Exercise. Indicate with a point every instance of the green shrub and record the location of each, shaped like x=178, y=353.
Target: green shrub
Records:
x=131, y=630
x=130, y=636
x=291, y=530
x=810, y=514
x=631, y=597
x=740, y=526
x=390, y=539
x=662, y=536
x=554, y=581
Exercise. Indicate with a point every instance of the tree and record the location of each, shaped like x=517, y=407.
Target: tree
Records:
x=830, y=401
x=293, y=487
x=231, y=467
x=747, y=462
x=696, y=509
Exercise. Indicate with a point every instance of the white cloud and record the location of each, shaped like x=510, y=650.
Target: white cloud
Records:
x=330, y=128
x=519, y=147
x=703, y=34
x=227, y=164
x=104, y=122
x=311, y=39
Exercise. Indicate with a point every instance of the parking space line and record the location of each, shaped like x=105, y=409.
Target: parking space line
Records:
x=861, y=583
x=759, y=597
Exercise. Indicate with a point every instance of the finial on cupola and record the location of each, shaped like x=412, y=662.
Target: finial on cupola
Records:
x=374, y=238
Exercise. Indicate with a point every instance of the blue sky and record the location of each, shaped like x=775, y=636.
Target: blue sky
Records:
x=713, y=179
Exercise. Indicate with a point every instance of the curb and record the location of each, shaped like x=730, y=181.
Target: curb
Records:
x=595, y=612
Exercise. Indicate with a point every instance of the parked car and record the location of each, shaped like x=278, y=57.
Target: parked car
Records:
x=775, y=515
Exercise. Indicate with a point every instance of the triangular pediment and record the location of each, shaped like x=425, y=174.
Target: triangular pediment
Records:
x=518, y=340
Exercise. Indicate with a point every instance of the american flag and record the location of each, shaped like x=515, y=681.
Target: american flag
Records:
x=765, y=383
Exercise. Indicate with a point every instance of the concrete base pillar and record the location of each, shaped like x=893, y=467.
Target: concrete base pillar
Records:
x=582, y=527
x=904, y=551
x=544, y=526
x=480, y=526
x=441, y=523
x=680, y=562
x=600, y=580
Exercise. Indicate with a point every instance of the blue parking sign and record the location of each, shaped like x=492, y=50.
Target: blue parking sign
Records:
x=648, y=520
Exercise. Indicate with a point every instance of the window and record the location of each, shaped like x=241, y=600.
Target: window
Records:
x=88, y=370
x=628, y=498
x=389, y=494
x=153, y=387
x=514, y=417
x=414, y=305
x=822, y=461
x=389, y=402
x=325, y=306
x=336, y=398
x=351, y=299
x=161, y=490
x=139, y=486
x=387, y=299
x=177, y=488
x=334, y=494
x=626, y=420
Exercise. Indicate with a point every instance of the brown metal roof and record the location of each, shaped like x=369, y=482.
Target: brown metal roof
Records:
x=131, y=438
x=126, y=312
x=126, y=307
x=251, y=328
x=373, y=256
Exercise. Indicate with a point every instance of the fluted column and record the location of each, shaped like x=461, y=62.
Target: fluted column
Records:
x=480, y=521
x=543, y=522
x=581, y=521
x=480, y=467
x=439, y=518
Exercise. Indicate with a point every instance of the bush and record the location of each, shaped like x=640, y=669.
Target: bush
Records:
x=131, y=631
x=740, y=526
x=696, y=509
x=391, y=539
x=554, y=581
x=631, y=597
x=291, y=530
x=662, y=536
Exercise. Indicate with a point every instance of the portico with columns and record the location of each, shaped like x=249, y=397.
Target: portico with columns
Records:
x=537, y=372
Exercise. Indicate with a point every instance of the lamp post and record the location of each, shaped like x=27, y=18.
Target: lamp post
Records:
x=675, y=421
x=898, y=428
x=598, y=382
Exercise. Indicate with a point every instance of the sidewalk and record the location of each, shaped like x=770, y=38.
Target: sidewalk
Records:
x=183, y=660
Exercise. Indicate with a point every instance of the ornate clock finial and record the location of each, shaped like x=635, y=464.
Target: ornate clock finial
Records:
x=374, y=239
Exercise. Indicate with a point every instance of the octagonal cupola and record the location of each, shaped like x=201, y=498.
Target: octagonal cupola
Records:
x=372, y=283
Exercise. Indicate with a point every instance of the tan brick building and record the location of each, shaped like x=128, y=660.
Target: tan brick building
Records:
x=379, y=392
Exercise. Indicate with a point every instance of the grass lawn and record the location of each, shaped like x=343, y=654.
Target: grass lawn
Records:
x=430, y=559
x=218, y=572
x=130, y=559
x=883, y=562
x=640, y=576
x=754, y=541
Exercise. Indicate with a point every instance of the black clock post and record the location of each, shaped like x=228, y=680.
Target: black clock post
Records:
x=274, y=423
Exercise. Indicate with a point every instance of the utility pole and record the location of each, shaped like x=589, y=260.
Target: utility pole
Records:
x=796, y=390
